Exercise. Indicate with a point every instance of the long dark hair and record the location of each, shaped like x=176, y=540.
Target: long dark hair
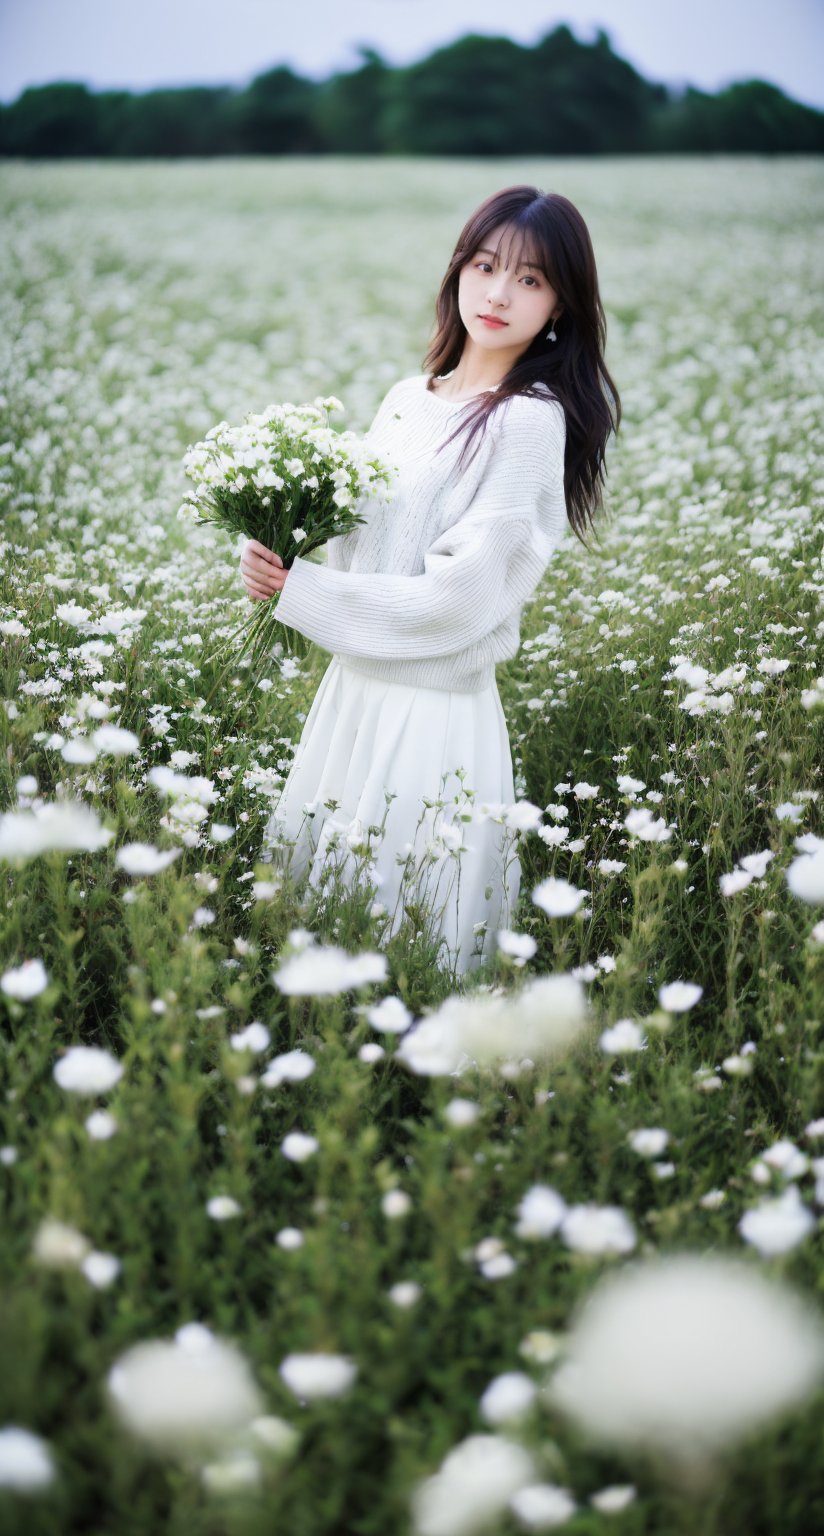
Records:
x=552, y=234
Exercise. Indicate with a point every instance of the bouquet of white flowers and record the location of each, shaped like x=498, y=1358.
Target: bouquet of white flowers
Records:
x=288, y=479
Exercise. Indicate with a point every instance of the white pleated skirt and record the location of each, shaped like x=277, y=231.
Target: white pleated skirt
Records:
x=406, y=788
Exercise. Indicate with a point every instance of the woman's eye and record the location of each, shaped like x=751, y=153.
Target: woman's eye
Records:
x=529, y=278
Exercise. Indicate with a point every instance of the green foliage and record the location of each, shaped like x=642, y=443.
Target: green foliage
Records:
x=479, y=96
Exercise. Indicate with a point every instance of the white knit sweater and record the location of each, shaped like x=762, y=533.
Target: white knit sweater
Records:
x=430, y=590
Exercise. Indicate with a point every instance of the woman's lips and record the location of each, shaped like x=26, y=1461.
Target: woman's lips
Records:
x=491, y=320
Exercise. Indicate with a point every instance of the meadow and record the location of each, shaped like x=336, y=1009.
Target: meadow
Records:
x=279, y=1254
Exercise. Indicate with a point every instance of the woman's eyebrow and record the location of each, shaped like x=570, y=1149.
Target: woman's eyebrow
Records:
x=483, y=250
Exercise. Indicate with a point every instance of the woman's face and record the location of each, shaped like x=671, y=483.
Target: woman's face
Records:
x=520, y=296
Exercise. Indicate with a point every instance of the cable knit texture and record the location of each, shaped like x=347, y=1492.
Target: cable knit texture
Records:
x=429, y=591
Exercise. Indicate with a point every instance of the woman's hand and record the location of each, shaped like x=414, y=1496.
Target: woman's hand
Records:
x=262, y=570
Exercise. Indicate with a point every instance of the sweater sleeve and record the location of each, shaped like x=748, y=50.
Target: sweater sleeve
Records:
x=337, y=544
x=476, y=573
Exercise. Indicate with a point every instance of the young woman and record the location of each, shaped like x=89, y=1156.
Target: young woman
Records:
x=498, y=447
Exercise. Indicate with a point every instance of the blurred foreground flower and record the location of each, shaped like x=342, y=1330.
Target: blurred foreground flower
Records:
x=26, y=981
x=685, y=1354
x=319, y=1375
x=473, y=1487
x=539, y=1022
x=326, y=969
x=184, y=1396
x=805, y=877
x=144, y=858
x=87, y=1069
x=65, y=827
x=26, y=1463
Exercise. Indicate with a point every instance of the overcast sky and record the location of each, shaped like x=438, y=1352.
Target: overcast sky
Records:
x=141, y=43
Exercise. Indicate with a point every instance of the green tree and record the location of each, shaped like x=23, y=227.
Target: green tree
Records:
x=275, y=116
x=348, y=109
x=463, y=100
x=52, y=120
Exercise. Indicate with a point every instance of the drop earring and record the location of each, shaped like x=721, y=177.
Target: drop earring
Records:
x=550, y=335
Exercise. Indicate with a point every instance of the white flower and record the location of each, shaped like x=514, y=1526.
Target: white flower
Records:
x=557, y=897
x=100, y=1125
x=289, y=1238
x=66, y=827
x=678, y=996
x=59, y=1246
x=642, y=824
x=238, y=1468
x=182, y=786
x=222, y=1207
x=26, y=982
x=312, y=1376
x=542, y=1506
x=613, y=1499
x=519, y=946
x=757, y=864
x=624, y=1035
x=189, y=1393
x=72, y=613
x=738, y=880
x=255, y=1037
x=541, y=1021
x=26, y=1462
x=499, y=1267
x=509, y=1396
x=787, y=1158
x=627, y=785
x=776, y=1226
x=298, y=1147
x=87, y=1069
x=471, y=1490
x=540, y=1212
x=648, y=1142
x=395, y=1203
x=390, y=1016
x=685, y=1353
x=598, y=1229
x=324, y=970
x=219, y=832
x=144, y=858
x=78, y=750
x=371, y=1052
x=404, y=1293
x=461, y=1112
x=290, y=1067
x=100, y=1269
x=805, y=877
x=115, y=741
x=523, y=816
x=119, y=621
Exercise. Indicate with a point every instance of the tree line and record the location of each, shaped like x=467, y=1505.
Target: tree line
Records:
x=478, y=96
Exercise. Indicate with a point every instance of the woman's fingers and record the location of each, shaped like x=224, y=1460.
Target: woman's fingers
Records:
x=254, y=547
x=262, y=570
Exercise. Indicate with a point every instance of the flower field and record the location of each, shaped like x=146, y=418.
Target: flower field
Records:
x=303, y=1232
